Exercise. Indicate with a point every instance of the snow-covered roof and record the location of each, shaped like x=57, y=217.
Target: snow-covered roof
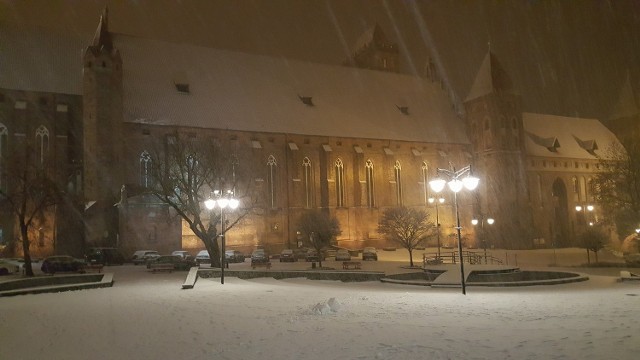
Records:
x=240, y=91
x=489, y=78
x=566, y=137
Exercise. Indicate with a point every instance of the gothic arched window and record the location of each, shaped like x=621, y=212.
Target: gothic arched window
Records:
x=42, y=143
x=272, y=166
x=339, y=183
x=308, y=182
x=145, y=169
x=370, y=184
x=4, y=153
x=424, y=171
x=398, y=177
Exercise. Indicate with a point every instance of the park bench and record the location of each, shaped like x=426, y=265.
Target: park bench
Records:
x=261, y=264
x=627, y=275
x=346, y=265
x=161, y=267
x=93, y=268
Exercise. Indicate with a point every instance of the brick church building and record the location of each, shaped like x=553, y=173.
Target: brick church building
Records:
x=352, y=140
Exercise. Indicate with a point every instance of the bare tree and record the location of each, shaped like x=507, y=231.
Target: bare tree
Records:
x=592, y=239
x=319, y=229
x=186, y=172
x=408, y=227
x=618, y=186
x=29, y=193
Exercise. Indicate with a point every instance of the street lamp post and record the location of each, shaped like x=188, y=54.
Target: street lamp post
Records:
x=436, y=201
x=584, y=210
x=456, y=184
x=223, y=201
x=475, y=222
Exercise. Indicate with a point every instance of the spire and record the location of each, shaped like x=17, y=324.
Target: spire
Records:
x=626, y=105
x=102, y=38
x=491, y=78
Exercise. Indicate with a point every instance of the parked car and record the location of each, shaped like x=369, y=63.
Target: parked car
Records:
x=178, y=262
x=288, y=255
x=142, y=256
x=259, y=256
x=8, y=266
x=183, y=254
x=203, y=257
x=233, y=256
x=62, y=263
x=312, y=255
x=104, y=256
x=343, y=255
x=369, y=253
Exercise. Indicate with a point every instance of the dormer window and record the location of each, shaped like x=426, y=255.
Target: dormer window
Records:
x=403, y=109
x=182, y=88
x=307, y=100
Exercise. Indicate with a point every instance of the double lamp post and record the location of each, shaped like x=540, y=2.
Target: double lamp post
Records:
x=458, y=179
x=222, y=201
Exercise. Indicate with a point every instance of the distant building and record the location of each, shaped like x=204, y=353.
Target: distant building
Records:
x=353, y=140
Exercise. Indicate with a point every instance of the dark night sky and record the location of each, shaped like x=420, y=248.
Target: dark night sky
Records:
x=565, y=57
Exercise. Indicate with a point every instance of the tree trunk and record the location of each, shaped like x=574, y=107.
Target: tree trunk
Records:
x=28, y=269
x=410, y=257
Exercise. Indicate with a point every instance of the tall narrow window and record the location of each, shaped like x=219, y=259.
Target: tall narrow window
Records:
x=370, y=184
x=308, y=182
x=539, y=190
x=4, y=155
x=576, y=189
x=145, y=169
x=271, y=180
x=42, y=143
x=339, y=183
x=425, y=181
x=398, y=176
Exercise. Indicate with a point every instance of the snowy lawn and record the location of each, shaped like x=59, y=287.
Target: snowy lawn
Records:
x=148, y=316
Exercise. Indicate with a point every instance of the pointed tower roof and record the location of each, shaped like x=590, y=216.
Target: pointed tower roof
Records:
x=490, y=78
x=102, y=38
x=373, y=36
x=626, y=105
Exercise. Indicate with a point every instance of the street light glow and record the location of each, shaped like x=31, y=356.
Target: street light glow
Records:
x=490, y=221
x=437, y=185
x=210, y=204
x=474, y=222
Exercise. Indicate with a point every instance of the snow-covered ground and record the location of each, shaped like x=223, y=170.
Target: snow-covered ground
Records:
x=149, y=316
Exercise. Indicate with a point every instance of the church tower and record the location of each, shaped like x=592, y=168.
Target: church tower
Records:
x=102, y=135
x=495, y=126
x=374, y=51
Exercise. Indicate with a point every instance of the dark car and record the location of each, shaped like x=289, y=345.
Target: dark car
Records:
x=62, y=263
x=369, y=253
x=312, y=255
x=234, y=256
x=287, y=255
x=259, y=256
x=104, y=256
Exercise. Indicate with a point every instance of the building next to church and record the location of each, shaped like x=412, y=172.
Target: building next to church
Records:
x=352, y=140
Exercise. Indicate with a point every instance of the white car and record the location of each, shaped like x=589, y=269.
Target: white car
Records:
x=183, y=254
x=9, y=266
x=142, y=256
x=343, y=255
x=203, y=257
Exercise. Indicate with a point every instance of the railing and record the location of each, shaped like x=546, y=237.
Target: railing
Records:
x=452, y=257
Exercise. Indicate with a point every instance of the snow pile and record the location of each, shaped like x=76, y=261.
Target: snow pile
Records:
x=330, y=306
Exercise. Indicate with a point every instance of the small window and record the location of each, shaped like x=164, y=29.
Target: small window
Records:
x=182, y=88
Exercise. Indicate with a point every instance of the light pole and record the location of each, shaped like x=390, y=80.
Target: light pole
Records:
x=436, y=201
x=456, y=184
x=223, y=201
x=584, y=210
x=490, y=221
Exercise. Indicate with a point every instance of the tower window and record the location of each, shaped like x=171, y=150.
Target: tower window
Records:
x=182, y=88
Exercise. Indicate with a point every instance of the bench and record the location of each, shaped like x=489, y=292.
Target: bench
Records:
x=161, y=267
x=346, y=265
x=626, y=275
x=260, y=264
x=93, y=268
